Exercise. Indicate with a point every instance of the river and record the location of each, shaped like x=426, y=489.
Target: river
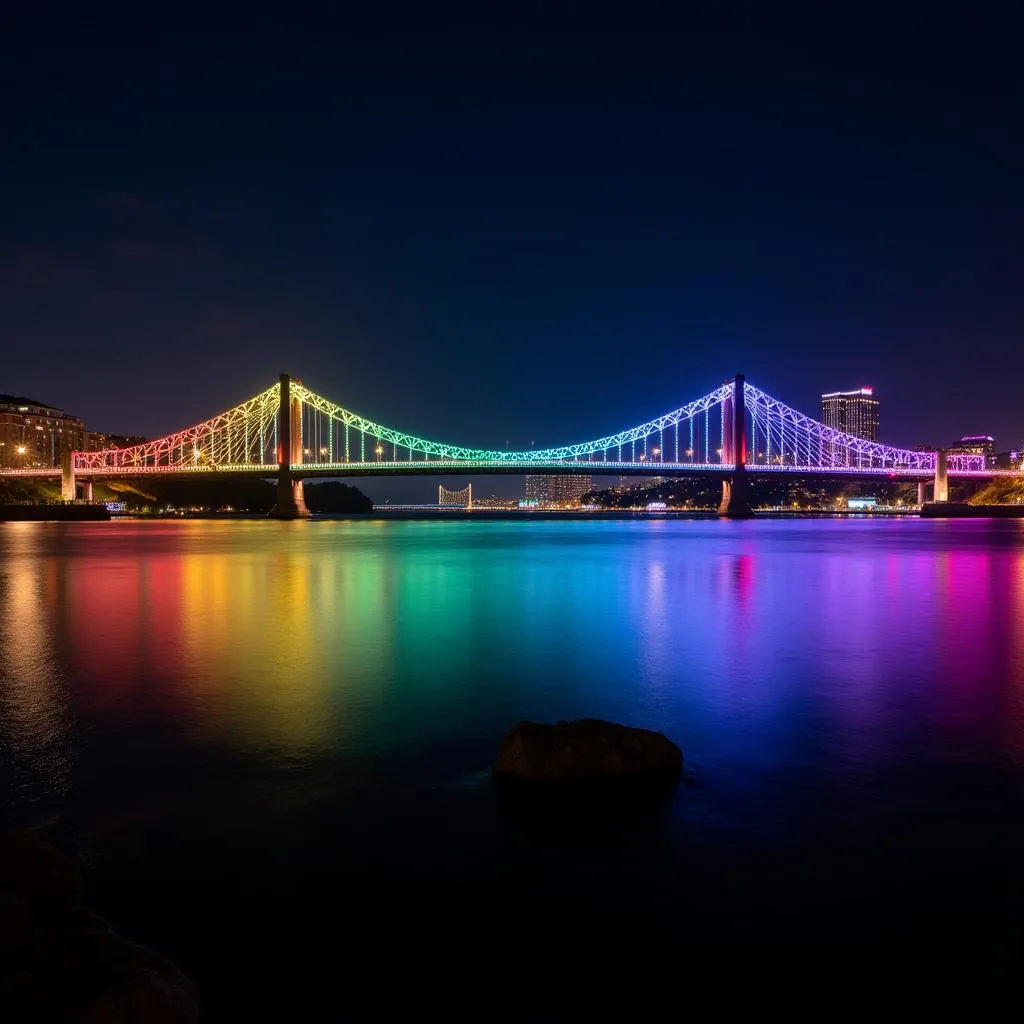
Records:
x=268, y=744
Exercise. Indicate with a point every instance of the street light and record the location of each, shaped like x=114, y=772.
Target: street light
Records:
x=380, y=451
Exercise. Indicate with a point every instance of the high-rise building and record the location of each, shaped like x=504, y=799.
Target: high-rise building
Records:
x=35, y=434
x=557, y=491
x=852, y=412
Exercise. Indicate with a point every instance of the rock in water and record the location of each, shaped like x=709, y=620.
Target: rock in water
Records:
x=586, y=751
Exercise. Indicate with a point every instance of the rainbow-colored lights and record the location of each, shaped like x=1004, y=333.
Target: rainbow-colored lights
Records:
x=244, y=435
x=778, y=439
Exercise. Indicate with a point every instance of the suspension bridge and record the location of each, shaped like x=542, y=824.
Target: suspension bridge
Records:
x=734, y=432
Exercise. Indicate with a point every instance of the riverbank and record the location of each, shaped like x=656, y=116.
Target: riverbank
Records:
x=961, y=510
x=475, y=514
x=60, y=513
x=383, y=512
x=400, y=514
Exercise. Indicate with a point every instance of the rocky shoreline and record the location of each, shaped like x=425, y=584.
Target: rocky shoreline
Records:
x=61, y=962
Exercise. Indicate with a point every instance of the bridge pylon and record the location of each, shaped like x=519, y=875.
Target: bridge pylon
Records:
x=735, y=500
x=941, y=491
x=67, y=475
x=291, y=501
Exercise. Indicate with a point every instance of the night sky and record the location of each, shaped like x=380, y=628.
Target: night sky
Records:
x=497, y=230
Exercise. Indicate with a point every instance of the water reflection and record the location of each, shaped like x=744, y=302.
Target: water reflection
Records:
x=763, y=647
x=35, y=720
x=237, y=650
x=1012, y=709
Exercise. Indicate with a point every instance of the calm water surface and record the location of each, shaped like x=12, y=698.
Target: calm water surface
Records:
x=268, y=742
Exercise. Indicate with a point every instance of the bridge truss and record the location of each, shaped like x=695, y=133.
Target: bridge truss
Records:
x=697, y=437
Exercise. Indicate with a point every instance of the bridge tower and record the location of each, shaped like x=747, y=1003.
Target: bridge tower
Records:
x=291, y=501
x=941, y=491
x=735, y=501
x=67, y=475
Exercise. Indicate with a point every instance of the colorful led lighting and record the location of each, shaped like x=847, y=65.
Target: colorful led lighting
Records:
x=779, y=439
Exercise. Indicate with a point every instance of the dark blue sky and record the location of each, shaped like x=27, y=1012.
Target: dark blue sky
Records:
x=514, y=229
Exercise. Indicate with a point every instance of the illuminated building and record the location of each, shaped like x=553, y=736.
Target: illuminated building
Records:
x=495, y=502
x=34, y=434
x=975, y=444
x=557, y=491
x=103, y=442
x=852, y=412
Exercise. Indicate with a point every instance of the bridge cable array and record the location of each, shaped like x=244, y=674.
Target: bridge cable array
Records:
x=696, y=436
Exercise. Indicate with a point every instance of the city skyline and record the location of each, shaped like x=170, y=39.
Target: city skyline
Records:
x=636, y=213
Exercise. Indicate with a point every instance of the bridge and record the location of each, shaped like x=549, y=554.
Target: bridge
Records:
x=735, y=432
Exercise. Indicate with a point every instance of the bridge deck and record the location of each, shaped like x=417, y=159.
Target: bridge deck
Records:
x=459, y=468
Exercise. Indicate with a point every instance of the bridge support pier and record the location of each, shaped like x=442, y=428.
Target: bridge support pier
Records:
x=922, y=492
x=291, y=501
x=941, y=478
x=735, y=498
x=67, y=475
x=86, y=486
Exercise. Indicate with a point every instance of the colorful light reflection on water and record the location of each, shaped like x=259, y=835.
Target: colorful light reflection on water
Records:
x=260, y=679
x=771, y=640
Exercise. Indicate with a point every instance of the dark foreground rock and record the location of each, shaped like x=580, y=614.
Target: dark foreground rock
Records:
x=586, y=753
x=60, y=962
